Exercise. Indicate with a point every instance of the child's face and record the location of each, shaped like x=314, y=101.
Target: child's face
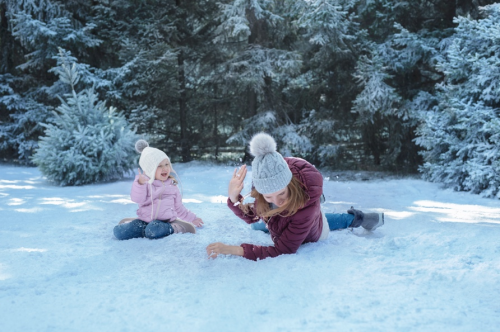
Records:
x=163, y=170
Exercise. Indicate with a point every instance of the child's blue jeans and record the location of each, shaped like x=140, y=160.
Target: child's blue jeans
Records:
x=155, y=229
x=335, y=221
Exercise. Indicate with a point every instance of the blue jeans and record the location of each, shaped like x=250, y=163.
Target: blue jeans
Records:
x=259, y=226
x=155, y=229
x=339, y=220
x=335, y=221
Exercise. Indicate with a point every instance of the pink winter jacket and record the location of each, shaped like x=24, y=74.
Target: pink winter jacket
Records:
x=288, y=233
x=166, y=203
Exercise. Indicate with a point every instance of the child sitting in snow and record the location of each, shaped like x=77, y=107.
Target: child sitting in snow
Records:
x=160, y=212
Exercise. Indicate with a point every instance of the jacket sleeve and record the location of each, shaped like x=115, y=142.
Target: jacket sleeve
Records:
x=288, y=242
x=250, y=218
x=182, y=212
x=139, y=192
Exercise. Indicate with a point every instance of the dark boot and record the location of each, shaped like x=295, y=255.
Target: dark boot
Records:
x=369, y=221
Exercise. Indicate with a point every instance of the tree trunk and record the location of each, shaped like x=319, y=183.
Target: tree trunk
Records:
x=184, y=140
x=251, y=103
x=9, y=50
x=184, y=143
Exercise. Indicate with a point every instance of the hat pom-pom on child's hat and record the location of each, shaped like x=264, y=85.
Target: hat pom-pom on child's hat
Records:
x=150, y=158
x=270, y=171
x=140, y=145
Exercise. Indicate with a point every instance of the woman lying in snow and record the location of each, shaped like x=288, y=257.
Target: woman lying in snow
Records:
x=287, y=194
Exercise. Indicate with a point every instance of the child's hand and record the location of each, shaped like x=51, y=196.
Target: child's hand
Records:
x=197, y=222
x=142, y=179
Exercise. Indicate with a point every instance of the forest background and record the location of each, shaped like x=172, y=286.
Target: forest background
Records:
x=400, y=86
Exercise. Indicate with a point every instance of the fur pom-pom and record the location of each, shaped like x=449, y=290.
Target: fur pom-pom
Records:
x=262, y=144
x=140, y=145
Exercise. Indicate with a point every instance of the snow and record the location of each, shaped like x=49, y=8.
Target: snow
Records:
x=433, y=266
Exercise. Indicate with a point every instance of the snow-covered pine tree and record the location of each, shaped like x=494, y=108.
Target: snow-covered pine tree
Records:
x=88, y=142
x=329, y=38
x=391, y=74
x=30, y=33
x=141, y=62
x=405, y=44
x=461, y=133
x=163, y=68
x=21, y=121
x=378, y=105
x=259, y=58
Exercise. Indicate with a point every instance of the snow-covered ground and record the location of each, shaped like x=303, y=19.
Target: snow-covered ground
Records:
x=434, y=265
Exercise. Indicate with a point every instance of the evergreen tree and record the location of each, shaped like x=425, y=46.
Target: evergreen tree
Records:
x=30, y=33
x=88, y=142
x=407, y=43
x=20, y=124
x=162, y=53
x=257, y=38
x=330, y=41
x=460, y=132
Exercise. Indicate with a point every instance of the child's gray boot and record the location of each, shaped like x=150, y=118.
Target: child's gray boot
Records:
x=369, y=221
x=181, y=226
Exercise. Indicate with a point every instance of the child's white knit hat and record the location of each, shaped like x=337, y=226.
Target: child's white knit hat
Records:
x=150, y=158
x=270, y=172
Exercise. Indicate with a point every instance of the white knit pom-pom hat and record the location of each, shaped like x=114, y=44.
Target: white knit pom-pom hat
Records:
x=270, y=172
x=150, y=158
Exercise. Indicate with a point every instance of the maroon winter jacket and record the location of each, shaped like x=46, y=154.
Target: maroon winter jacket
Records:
x=288, y=233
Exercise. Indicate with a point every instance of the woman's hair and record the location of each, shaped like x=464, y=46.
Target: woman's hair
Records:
x=297, y=198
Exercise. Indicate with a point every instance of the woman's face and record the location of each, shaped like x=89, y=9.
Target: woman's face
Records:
x=163, y=170
x=279, y=198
